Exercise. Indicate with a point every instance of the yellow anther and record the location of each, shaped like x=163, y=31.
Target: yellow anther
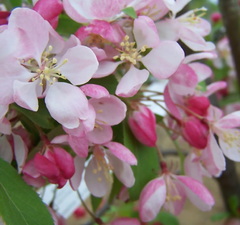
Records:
x=99, y=179
x=94, y=171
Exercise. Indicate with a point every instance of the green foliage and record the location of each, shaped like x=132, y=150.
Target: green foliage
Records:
x=42, y=118
x=95, y=202
x=148, y=165
x=220, y=216
x=108, y=82
x=130, y=12
x=166, y=218
x=19, y=203
x=229, y=99
x=11, y=4
x=66, y=26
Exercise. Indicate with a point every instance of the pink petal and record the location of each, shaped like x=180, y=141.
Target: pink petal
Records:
x=106, y=68
x=184, y=80
x=212, y=157
x=197, y=193
x=3, y=110
x=170, y=104
x=203, y=71
x=73, y=12
x=151, y=199
x=27, y=20
x=164, y=60
x=122, y=170
x=145, y=32
x=5, y=126
x=214, y=87
x=121, y=152
x=131, y=82
x=198, y=56
x=63, y=102
x=96, y=180
x=25, y=94
x=80, y=59
x=6, y=152
x=100, y=134
x=64, y=162
x=20, y=151
x=61, y=139
x=45, y=167
x=94, y=90
x=77, y=177
x=229, y=141
x=231, y=120
x=79, y=145
x=109, y=110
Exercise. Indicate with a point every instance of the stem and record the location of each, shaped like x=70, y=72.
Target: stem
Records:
x=179, y=151
x=96, y=219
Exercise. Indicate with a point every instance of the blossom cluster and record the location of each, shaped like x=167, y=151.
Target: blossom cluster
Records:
x=132, y=42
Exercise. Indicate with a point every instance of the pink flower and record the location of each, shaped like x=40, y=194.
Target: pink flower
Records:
x=189, y=28
x=143, y=125
x=113, y=157
x=44, y=59
x=171, y=191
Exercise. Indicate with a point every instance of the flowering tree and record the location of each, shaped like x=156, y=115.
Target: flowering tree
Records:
x=74, y=106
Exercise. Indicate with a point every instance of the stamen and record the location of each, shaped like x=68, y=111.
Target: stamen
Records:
x=129, y=52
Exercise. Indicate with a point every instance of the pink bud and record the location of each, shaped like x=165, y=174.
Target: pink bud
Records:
x=49, y=10
x=57, y=165
x=216, y=16
x=195, y=132
x=143, y=125
x=198, y=104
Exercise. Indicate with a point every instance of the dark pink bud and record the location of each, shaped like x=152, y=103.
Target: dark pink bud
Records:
x=49, y=10
x=64, y=162
x=4, y=17
x=216, y=16
x=143, y=125
x=195, y=132
x=46, y=167
x=198, y=105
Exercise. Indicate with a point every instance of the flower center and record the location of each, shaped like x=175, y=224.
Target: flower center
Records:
x=129, y=52
x=103, y=165
x=232, y=138
x=191, y=16
x=48, y=71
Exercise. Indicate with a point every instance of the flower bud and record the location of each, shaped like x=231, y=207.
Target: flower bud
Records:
x=198, y=105
x=195, y=132
x=143, y=125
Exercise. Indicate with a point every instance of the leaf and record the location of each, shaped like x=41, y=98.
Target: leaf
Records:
x=108, y=82
x=95, y=202
x=10, y=4
x=130, y=11
x=19, y=203
x=220, y=216
x=167, y=218
x=148, y=164
x=66, y=26
x=42, y=117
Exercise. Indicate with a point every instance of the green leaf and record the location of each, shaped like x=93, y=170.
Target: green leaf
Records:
x=229, y=99
x=95, y=202
x=66, y=26
x=148, y=164
x=19, y=203
x=10, y=4
x=130, y=12
x=167, y=218
x=108, y=82
x=220, y=216
x=42, y=117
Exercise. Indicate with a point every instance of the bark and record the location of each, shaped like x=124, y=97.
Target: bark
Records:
x=229, y=180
